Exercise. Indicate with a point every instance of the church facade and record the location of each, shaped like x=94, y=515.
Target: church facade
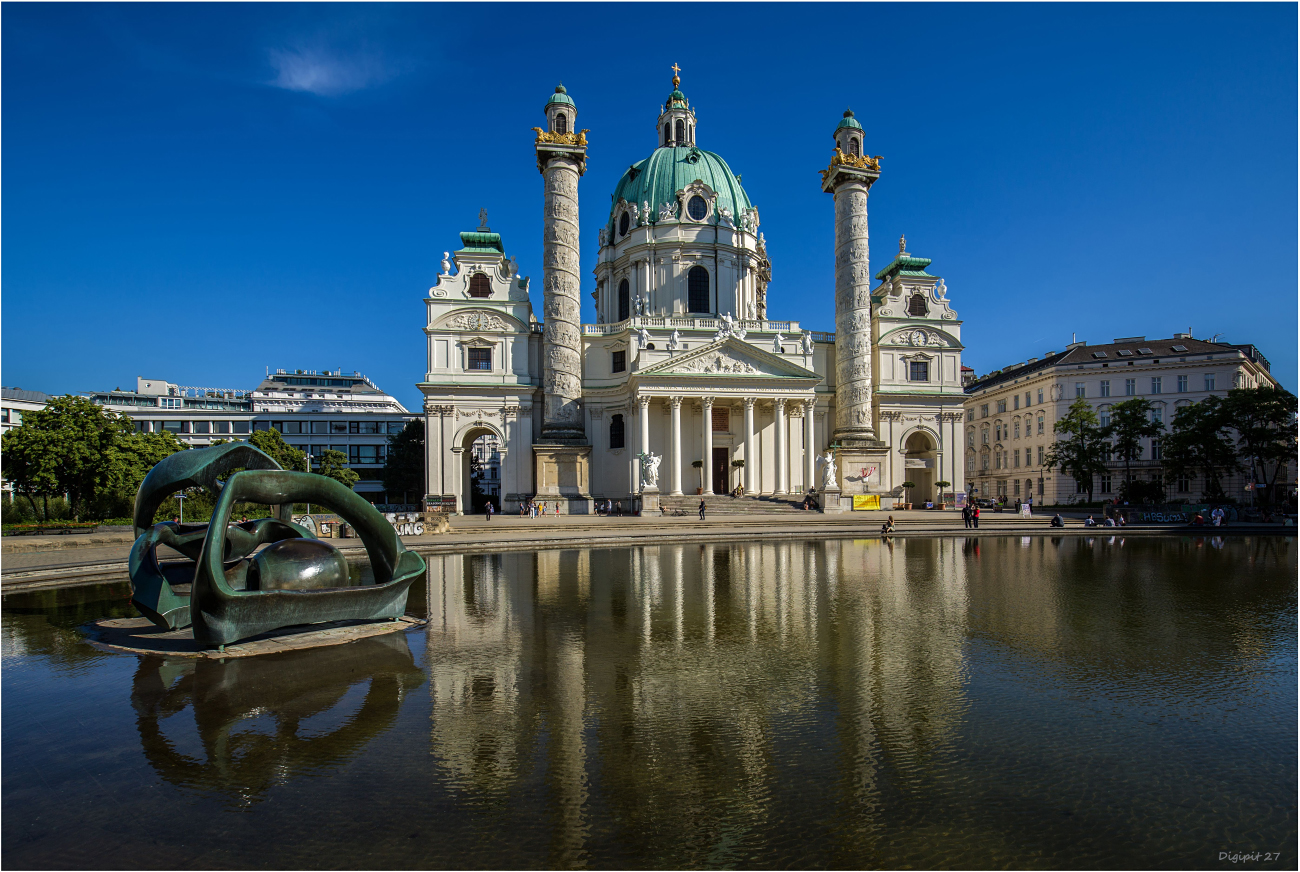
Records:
x=686, y=383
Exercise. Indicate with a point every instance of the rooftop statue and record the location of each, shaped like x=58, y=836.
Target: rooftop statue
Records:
x=296, y=579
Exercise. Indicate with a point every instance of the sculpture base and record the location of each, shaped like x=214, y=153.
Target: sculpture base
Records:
x=563, y=476
x=855, y=455
x=833, y=502
x=650, y=500
x=140, y=636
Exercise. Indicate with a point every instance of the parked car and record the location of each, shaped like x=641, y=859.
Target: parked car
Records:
x=985, y=503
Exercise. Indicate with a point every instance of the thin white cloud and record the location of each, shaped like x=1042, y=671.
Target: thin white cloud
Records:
x=330, y=73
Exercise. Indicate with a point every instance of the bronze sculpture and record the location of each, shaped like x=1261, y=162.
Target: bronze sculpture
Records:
x=296, y=579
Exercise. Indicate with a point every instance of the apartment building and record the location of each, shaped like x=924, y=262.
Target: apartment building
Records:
x=1010, y=413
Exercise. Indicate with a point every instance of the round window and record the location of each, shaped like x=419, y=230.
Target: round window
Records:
x=622, y=224
x=697, y=208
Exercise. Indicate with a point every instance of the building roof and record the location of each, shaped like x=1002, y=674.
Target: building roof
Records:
x=479, y=241
x=657, y=179
x=24, y=396
x=1121, y=351
x=907, y=265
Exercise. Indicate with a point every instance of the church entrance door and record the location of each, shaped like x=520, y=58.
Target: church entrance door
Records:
x=720, y=470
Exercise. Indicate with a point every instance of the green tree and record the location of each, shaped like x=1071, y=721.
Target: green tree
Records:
x=333, y=464
x=1130, y=423
x=1079, y=448
x=28, y=463
x=72, y=447
x=1200, y=441
x=1265, y=421
x=272, y=444
x=404, y=465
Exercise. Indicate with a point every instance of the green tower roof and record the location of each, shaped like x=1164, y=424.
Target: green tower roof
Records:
x=560, y=96
x=658, y=178
x=478, y=240
x=848, y=121
x=906, y=265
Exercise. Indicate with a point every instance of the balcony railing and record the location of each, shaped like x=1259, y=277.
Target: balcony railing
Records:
x=683, y=322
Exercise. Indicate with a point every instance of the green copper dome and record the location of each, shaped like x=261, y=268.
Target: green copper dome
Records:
x=560, y=96
x=676, y=98
x=658, y=178
x=849, y=121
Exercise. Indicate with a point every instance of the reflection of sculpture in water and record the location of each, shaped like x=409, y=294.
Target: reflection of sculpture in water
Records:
x=259, y=719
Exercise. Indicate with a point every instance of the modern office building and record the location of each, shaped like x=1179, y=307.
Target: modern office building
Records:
x=1010, y=413
x=313, y=410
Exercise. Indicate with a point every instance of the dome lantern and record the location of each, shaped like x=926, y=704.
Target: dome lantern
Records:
x=676, y=124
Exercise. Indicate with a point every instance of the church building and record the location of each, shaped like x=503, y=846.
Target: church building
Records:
x=686, y=383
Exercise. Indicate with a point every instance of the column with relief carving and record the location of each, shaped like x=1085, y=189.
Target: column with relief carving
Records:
x=563, y=453
x=849, y=178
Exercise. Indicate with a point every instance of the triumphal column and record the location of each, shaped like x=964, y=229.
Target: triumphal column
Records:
x=563, y=454
x=849, y=178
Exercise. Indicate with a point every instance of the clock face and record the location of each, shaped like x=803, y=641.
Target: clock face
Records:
x=478, y=321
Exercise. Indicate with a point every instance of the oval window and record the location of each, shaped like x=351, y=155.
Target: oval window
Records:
x=622, y=224
x=697, y=208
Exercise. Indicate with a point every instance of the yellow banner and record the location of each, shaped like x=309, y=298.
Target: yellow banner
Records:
x=866, y=502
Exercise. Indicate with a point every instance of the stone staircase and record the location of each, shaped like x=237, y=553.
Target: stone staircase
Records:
x=717, y=504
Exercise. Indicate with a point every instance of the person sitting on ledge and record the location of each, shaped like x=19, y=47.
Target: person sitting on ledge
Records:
x=1088, y=523
x=1110, y=522
x=1057, y=520
x=888, y=527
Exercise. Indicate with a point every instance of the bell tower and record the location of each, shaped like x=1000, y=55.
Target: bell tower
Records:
x=677, y=122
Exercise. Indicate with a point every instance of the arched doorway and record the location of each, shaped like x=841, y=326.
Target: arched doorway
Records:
x=481, y=462
x=919, y=466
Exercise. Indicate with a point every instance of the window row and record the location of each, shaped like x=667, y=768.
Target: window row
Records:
x=201, y=428
x=1157, y=386
x=355, y=453
x=296, y=428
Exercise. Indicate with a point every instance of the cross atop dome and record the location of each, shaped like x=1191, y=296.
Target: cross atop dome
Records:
x=677, y=80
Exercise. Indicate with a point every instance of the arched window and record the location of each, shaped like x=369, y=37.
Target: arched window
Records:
x=624, y=300
x=681, y=131
x=616, y=431
x=668, y=134
x=623, y=224
x=697, y=283
x=480, y=285
x=916, y=306
x=561, y=123
x=853, y=147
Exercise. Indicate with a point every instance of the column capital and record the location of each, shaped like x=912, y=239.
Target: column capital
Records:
x=749, y=402
x=676, y=401
x=643, y=402
x=810, y=405
x=707, y=402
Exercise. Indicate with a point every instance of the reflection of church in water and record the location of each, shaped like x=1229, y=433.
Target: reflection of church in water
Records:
x=647, y=682
x=686, y=383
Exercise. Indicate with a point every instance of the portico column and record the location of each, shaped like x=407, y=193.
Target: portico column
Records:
x=675, y=467
x=809, y=444
x=644, y=414
x=707, y=403
x=781, y=458
x=751, y=462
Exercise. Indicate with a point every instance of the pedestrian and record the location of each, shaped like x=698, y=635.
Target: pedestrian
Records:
x=965, y=516
x=487, y=510
x=701, y=508
x=975, y=516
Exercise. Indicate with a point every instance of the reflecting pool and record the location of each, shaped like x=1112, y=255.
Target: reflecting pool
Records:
x=1009, y=702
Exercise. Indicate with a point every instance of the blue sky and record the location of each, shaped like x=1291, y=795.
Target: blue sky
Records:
x=197, y=192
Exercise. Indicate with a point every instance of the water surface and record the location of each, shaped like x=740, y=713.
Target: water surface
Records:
x=1012, y=702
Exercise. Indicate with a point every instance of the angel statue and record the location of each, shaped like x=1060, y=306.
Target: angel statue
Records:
x=650, y=470
x=777, y=342
x=601, y=237
x=645, y=212
x=827, y=463
x=807, y=342
x=446, y=263
x=667, y=211
x=635, y=212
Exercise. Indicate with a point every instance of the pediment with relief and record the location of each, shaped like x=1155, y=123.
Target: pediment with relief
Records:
x=919, y=337
x=729, y=357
